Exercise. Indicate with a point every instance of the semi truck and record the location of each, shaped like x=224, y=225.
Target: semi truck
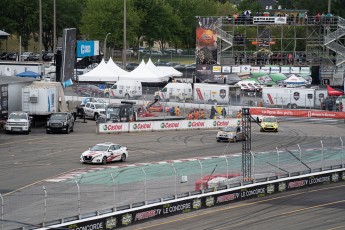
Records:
x=293, y=98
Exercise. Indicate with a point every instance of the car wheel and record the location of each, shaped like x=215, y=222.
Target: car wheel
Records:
x=96, y=116
x=27, y=132
x=104, y=160
x=294, y=106
x=261, y=130
x=123, y=157
x=67, y=130
x=218, y=140
x=72, y=129
x=47, y=132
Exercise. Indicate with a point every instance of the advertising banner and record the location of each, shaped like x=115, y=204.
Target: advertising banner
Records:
x=226, y=69
x=265, y=69
x=275, y=69
x=236, y=69
x=141, y=126
x=295, y=69
x=305, y=70
x=297, y=113
x=206, y=40
x=3, y=102
x=87, y=48
x=285, y=69
x=245, y=68
x=68, y=56
x=167, y=125
x=113, y=127
x=255, y=69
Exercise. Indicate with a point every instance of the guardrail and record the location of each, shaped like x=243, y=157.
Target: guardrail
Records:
x=203, y=199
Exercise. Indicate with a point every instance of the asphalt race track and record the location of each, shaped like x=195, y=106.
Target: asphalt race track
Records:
x=318, y=208
x=29, y=159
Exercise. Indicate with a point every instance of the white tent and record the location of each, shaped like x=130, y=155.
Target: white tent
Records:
x=101, y=73
x=170, y=70
x=295, y=80
x=115, y=68
x=144, y=74
x=166, y=71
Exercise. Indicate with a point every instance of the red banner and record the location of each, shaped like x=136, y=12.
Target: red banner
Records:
x=297, y=113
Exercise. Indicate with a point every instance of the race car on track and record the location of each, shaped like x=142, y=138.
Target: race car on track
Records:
x=269, y=123
x=104, y=153
x=230, y=133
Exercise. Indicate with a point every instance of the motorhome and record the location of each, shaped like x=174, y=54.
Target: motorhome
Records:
x=177, y=91
x=125, y=89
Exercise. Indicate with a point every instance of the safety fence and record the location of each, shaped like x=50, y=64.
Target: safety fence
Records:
x=89, y=192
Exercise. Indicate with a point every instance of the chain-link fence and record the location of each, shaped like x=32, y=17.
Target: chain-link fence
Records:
x=90, y=192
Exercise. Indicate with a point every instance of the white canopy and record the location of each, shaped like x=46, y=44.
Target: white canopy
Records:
x=144, y=74
x=115, y=68
x=159, y=72
x=293, y=79
x=170, y=70
x=101, y=73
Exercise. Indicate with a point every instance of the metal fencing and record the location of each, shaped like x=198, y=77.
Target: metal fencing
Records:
x=89, y=192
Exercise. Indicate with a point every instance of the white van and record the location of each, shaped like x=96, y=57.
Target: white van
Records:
x=177, y=91
x=125, y=89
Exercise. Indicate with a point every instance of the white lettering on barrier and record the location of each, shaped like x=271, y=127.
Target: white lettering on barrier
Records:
x=113, y=127
x=144, y=126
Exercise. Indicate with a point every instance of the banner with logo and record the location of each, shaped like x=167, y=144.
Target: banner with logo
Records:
x=295, y=69
x=3, y=102
x=297, y=113
x=206, y=40
x=68, y=56
x=87, y=48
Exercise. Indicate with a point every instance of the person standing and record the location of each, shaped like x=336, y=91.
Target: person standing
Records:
x=213, y=112
x=223, y=112
x=177, y=111
x=196, y=114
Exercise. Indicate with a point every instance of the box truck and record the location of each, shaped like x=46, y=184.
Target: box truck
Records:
x=125, y=89
x=14, y=68
x=177, y=91
x=293, y=98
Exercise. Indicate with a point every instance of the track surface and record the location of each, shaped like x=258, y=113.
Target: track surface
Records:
x=26, y=160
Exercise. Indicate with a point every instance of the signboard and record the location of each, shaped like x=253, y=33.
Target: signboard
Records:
x=87, y=48
x=68, y=56
x=3, y=101
x=269, y=20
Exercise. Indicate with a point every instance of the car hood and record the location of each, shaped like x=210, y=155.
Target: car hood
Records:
x=92, y=153
x=223, y=132
x=17, y=120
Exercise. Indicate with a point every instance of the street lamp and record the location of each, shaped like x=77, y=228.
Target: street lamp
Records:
x=105, y=46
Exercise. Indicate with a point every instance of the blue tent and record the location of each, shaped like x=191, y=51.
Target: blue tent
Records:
x=29, y=74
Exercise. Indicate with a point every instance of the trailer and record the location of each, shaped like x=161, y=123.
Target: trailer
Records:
x=14, y=68
x=293, y=98
x=43, y=98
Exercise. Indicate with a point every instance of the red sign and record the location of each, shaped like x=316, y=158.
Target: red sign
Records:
x=297, y=113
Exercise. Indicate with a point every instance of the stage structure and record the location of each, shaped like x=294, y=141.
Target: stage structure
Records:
x=287, y=39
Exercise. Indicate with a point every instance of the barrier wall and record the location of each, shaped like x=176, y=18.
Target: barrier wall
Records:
x=203, y=200
x=165, y=125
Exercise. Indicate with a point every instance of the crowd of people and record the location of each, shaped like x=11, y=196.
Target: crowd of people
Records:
x=299, y=58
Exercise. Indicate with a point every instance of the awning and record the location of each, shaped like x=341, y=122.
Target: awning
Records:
x=334, y=92
x=29, y=74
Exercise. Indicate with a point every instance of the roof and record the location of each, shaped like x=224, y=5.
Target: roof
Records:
x=13, y=80
x=4, y=34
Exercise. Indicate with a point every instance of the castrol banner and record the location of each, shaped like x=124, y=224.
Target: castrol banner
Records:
x=297, y=113
x=165, y=125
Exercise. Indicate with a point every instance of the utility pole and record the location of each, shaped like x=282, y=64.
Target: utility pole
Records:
x=54, y=32
x=124, y=52
x=40, y=40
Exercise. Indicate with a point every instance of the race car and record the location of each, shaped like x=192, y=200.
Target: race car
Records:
x=269, y=123
x=230, y=133
x=104, y=153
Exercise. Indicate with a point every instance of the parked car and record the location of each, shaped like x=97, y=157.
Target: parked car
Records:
x=27, y=56
x=88, y=90
x=18, y=122
x=47, y=56
x=104, y=153
x=12, y=57
x=231, y=134
x=132, y=66
x=94, y=109
x=4, y=55
x=60, y=122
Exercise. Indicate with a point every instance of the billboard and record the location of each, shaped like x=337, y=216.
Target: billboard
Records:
x=87, y=48
x=68, y=56
x=206, y=41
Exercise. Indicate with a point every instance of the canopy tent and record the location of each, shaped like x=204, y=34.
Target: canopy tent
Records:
x=144, y=74
x=333, y=92
x=154, y=69
x=4, y=35
x=115, y=68
x=295, y=80
x=29, y=74
x=170, y=70
x=101, y=73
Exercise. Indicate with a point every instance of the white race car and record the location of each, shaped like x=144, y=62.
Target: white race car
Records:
x=103, y=153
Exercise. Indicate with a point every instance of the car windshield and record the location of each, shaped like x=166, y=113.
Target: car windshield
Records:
x=59, y=117
x=17, y=116
x=229, y=129
x=269, y=119
x=100, y=106
x=99, y=148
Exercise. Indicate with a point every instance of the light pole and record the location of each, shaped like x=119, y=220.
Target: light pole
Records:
x=124, y=52
x=105, y=46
